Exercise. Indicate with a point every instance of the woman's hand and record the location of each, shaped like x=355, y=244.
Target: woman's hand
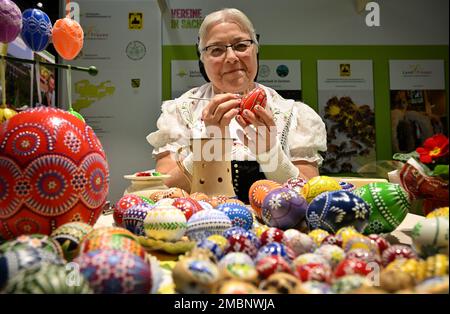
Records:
x=219, y=112
x=261, y=134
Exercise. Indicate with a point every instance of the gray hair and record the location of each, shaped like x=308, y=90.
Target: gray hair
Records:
x=225, y=15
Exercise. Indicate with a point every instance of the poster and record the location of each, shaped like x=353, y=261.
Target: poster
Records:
x=418, y=102
x=47, y=80
x=346, y=104
x=282, y=75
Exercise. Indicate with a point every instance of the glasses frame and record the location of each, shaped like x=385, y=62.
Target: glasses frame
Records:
x=205, y=50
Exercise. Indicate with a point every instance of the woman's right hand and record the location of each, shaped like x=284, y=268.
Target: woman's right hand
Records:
x=219, y=112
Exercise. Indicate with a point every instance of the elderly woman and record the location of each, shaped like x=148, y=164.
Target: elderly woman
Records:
x=277, y=142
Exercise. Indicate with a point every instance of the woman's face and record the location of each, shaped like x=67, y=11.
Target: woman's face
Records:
x=232, y=72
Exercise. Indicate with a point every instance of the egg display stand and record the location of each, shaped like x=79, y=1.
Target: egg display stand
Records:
x=145, y=185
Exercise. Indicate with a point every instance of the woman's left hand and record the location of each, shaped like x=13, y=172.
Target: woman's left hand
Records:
x=260, y=135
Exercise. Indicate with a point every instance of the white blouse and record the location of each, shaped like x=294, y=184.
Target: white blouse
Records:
x=300, y=129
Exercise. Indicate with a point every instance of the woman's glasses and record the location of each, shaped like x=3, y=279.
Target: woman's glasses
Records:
x=219, y=50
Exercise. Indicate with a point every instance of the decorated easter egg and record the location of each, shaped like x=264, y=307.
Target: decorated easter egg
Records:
x=283, y=283
x=314, y=287
x=346, y=233
x=333, y=240
x=234, y=286
x=206, y=223
x=220, y=240
x=69, y=236
x=268, y=265
x=333, y=210
x=351, y=266
x=361, y=242
x=53, y=170
x=48, y=279
x=397, y=251
x=238, y=265
x=67, y=37
x=212, y=246
x=332, y=253
x=275, y=248
x=245, y=242
x=258, y=191
x=38, y=241
x=100, y=231
x=309, y=258
x=348, y=283
x=437, y=265
x=439, y=212
x=10, y=21
x=114, y=271
x=125, y=202
x=36, y=29
x=112, y=242
x=283, y=208
x=199, y=196
x=365, y=255
x=235, y=258
x=314, y=271
x=240, y=216
x=166, y=223
x=187, y=205
x=256, y=97
x=346, y=186
x=318, y=235
x=380, y=241
x=318, y=185
x=273, y=235
x=389, y=205
x=195, y=276
x=295, y=183
x=13, y=261
x=430, y=236
x=133, y=218
x=299, y=242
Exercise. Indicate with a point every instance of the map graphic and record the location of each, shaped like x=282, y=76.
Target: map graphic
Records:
x=90, y=93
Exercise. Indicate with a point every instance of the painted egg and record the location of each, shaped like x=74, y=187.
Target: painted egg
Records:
x=348, y=283
x=346, y=186
x=275, y=248
x=13, y=261
x=239, y=215
x=238, y=267
x=309, y=258
x=195, y=276
x=10, y=21
x=361, y=242
x=211, y=246
x=295, y=184
x=206, y=223
x=389, y=205
x=397, y=251
x=125, y=202
x=283, y=208
x=333, y=210
x=235, y=286
x=256, y=97
x=333, y=240
x=49, y=154
x=187, y=205
x=36, y=29
x=100, y=231
x=38, y=241
x=299, y=242
x=205, y=205
x=216, y=200
x=316, y=272
x=364, y=255
x=114, y=271
x=235, y=258
x=258, y=191
x=273, y=235
x=314, y=287
x=112, y=242
x=437, y=265
x=332, y=253
x=346, y=233
x=318, y=185
x=282, y=283
x=243, y=242
x=351, y=266
x=439, y=212
x=69, y=236
x=199, y=196
x=430, y=236
x=166, y=223
x=48, y=279
x=67, y=38
x=318, y=235
x=380, y=241
x=221, y=241
x=417, y=269
x=272, y=264
x=146, y=199
x=232, y=231
x=133, y=218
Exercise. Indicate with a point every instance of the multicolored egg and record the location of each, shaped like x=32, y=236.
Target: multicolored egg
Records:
x=133, y=218
x=430, y=236
x=187, y=205
x=318, y=185
x=351, y=266
x=238, y=265
x=314, y=272
x=275, y=248
x=299, y=242
x=309, y=258
x=195, y=276
x=166, y=223
x=318, y=235
x=365, y=255
x=389, y=205
x=258, y=191
x=397, y=251
x=206, y=223
x=36, y=29
x=283, y=208
x=112, y=242
x=245, y=242
x=125, y=202
x=380, y=241
x=239, y=215
x=221, y=241
x=69, y=236
x=273, y=235
x=332, y=253
x=10, y=21
x=256, y=97
x=53, y=170
x=268, y=265
x=38, y=241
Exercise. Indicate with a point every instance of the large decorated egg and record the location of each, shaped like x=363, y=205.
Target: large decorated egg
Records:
x=430, y=236
x=239, y=215
x=48, y=279
x=256, y=97
x=206, y=223
x=187, y=205
x=53, y=170
x=69, y=236
x=36, y=29
x=113, y=271
x=125, y=202
x=10, y=21
x=389, y=205
x=318, y=185
x=258, y=191
x=333, y=210
x=166, y=223
x=133, y=218
x=283, y=208
x=38, y=241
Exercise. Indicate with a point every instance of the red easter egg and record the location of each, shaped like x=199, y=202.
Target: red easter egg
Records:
x=67, y=37
x=273, y=235
x=125, y=202
x=314, y=272
x=272, y=264
x=256, y=97
x=53, y=170
x=187, y=205
x=351, y=266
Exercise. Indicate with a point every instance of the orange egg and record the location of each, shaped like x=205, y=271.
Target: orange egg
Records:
x=67, y=37
x=258, y=191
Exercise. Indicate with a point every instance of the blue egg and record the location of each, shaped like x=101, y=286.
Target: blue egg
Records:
x=133, y=218
x=205, y=223
x=275, y=248
x=211, y=246
x=36, y=29
x=334, y=210
x=239, y=215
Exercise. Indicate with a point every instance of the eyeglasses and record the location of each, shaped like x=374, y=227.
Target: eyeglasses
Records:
x=220, y=50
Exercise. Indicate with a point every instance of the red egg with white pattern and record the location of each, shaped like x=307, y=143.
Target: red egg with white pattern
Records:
x=273, y=235
x=314, y=272
x=352, y=266
x=397, y=251
x=187, y=205
x=125, y=202
x=269, y=265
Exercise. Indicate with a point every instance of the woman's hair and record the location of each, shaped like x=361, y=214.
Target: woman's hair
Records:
x=225, y=15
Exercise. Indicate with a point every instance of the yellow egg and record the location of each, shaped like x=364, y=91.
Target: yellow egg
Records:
x=219, y=240
x=416, y=268
x=437, y=265
x=346, y=233
x=318, y=235
x=439, y=212
x=318, y=185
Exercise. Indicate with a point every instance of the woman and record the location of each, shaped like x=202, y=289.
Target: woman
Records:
x=278, y=142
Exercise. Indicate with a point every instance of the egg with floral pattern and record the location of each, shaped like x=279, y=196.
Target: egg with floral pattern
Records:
x=125, y=202
x=239, y=215
x=275, y=248
x=245, y=242
x=257, y=193
x=206, y=223
x=317, y=185
x=187, y=205
x=430, y=236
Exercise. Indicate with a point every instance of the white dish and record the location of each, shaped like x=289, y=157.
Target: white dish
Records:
x=146, y=178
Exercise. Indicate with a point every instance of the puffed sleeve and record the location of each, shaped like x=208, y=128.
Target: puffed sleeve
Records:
x=171, y=133
x=307, y=134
